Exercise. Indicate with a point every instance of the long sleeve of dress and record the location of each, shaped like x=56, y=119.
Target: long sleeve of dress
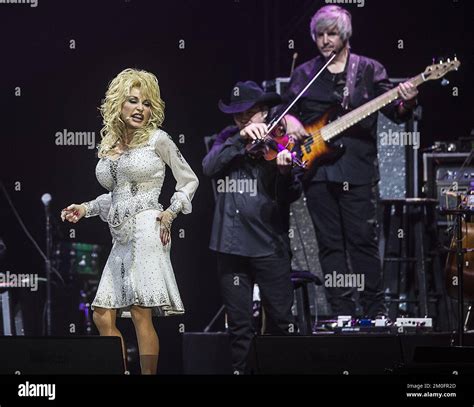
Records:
x=99, y=206
x=186, y=180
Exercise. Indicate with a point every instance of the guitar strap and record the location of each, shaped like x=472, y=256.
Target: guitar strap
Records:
x=350, y=79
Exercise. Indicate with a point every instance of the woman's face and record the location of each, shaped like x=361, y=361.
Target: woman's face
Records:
x=136, y=111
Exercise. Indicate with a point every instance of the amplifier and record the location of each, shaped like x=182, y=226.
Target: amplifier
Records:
x=278, y=85
x=445, y=175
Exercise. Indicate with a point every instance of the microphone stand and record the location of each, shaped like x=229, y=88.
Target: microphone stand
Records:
x=460, y=270
x=47, y=258
x=49, y=241
x=218, y=314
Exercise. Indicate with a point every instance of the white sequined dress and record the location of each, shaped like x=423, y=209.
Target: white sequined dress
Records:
x=138, y=270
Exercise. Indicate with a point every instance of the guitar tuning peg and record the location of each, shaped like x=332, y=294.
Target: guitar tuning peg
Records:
x=449, y=60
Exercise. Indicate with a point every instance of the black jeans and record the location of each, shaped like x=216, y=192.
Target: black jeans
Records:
x=344, y=217
x=237, y=276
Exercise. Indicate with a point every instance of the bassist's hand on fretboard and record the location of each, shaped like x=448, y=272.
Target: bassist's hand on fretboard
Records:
x=408, y=93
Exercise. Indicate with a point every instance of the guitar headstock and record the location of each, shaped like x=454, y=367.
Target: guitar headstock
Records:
x=440, y=69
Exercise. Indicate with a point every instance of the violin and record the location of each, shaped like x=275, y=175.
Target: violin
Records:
x=275, y=140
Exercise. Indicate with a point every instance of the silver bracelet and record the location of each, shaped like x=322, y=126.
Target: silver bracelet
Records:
x=88, y=207
x=176, y=207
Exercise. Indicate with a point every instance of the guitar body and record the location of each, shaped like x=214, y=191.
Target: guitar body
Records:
x=315, y=150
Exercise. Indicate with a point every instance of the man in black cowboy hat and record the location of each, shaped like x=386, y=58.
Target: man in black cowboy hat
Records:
x=251, y=219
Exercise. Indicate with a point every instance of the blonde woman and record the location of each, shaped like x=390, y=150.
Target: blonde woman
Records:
x=138, y=278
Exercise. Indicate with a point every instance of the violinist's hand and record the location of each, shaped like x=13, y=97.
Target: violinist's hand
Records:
x=294, y=128
x=284, y=161
x=73, y=213
x=254, y=131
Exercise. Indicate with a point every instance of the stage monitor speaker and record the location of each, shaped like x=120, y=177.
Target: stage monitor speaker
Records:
x=206, y=353
x=61, y=355
x=409, y=343
x=434, y=353
x=341, y=354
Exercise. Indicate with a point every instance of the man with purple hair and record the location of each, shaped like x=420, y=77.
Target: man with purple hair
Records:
x=341, y=194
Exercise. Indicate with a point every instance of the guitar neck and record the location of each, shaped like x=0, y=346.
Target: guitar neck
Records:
x=336, y=127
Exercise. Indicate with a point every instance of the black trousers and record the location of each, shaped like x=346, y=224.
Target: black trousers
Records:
x=237, y=276
x=344, y=217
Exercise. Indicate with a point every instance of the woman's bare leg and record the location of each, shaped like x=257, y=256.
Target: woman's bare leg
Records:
x=104, y=320
x=148, y=342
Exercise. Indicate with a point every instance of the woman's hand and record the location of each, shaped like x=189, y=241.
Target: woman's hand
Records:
x=166, y=219
x=73, y=213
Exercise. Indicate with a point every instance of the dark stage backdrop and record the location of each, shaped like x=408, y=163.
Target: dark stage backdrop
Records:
x=57, y=59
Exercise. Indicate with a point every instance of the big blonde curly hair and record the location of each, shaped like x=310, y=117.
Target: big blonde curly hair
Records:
x=119, y=89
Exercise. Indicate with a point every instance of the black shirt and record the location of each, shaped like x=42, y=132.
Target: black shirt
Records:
x=251, y=216
x=358, y=164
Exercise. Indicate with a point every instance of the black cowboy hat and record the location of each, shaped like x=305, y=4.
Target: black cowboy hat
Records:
x=247, y=94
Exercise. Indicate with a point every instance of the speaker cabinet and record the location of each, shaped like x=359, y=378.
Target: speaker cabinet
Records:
x=61, y=355
x=341, y=354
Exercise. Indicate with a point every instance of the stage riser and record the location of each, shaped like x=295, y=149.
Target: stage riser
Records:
x=327, y=355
